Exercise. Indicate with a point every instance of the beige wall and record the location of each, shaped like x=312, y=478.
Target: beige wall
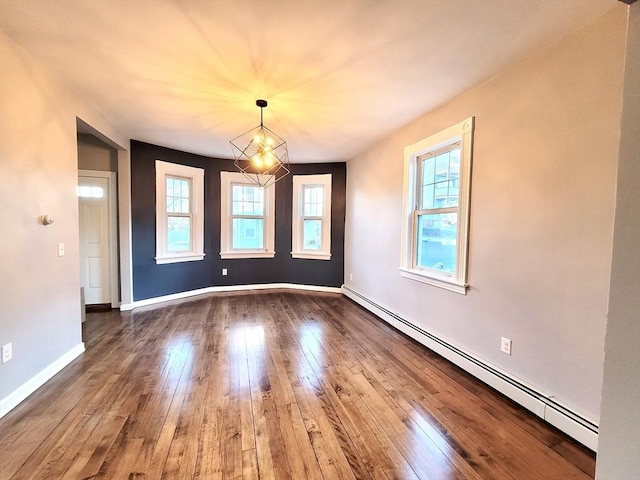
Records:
x=39, y=291
x=619, y=442
x=543, y=189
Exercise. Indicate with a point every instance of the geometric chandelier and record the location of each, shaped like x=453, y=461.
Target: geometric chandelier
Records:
x=260, y=154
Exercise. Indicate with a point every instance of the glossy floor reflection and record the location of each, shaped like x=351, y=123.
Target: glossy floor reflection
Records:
x=280, y=384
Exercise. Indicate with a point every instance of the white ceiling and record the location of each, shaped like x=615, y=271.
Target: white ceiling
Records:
x=338, y=74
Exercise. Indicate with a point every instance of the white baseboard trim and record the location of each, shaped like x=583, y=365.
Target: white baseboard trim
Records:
x=544, y=406
x=22, y=392
x=230, y=288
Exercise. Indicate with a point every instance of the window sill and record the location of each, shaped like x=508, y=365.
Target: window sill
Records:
x=311, y=256
x=440, y=282
x=179, y=258
x=247, y=254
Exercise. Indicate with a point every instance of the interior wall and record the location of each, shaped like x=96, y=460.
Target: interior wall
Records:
x=151, y=280
x=619, y=442
x=542, y=203
x=94, y=154
x=40, y=294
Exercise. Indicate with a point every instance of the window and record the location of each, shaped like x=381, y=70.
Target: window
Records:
x=311, y=227
x=247, y=218
x=437, y=180
x=90, y=191
x=179, y=213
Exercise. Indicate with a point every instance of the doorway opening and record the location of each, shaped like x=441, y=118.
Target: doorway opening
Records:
x=98, y=222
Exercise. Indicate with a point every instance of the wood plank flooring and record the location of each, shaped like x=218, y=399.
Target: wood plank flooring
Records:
x=271, y=385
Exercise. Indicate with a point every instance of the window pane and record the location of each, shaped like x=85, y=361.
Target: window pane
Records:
x=454, y=160
x=428, y=171
x=312, y=235
x=248, y=233
x=436, y=241
x=178, y=234
x=441, y=192
x=87, y=191
x=178, y=196
x=442, y=166
x=313, y=201
x=247, y=200
x=440, y=182
x=427, y=197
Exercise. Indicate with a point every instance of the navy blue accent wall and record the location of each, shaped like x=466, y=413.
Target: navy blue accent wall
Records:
x=151, y=280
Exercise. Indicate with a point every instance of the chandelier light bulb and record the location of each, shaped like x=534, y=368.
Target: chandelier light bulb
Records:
x=268, y=159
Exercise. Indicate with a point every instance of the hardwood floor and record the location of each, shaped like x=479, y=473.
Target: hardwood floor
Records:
x=278, y=384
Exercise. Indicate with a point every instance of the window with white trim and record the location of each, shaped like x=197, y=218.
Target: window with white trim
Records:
x=435, y=230
x=247, y=227
x=179, y=213
x=311, y=227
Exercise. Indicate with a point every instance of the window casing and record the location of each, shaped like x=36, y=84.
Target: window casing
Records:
x=247, y=218
x=437, y=180
x=311, y=222
x=179, y=213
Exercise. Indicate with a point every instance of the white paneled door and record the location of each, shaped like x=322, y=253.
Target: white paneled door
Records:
x=93, y=204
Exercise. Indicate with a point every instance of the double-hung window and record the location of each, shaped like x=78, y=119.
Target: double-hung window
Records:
x=179, y=213
x=248, y=218
x=436, y=208
x=311, y=223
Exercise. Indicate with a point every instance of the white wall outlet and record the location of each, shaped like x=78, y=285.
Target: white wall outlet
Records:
x=505, y=345
x=351, y=276
x=7, y=352
x=61, y=249
x=224, y=271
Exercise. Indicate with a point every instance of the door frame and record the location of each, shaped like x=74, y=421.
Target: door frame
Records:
x=114, y=290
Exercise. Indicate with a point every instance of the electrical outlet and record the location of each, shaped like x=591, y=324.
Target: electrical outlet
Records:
x=7, y=352
x=224, y=271
x=351, y=276
x=61, y=249
x=505, y=345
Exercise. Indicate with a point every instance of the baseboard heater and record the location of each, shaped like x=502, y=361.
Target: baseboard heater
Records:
x=544, y=406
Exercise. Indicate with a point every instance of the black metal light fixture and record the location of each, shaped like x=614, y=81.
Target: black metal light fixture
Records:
x=260, y=154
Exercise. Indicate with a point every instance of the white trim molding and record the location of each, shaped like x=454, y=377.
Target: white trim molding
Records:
x=458, y=136
x=444, y=282
x=34, y=383
x=227, y=288
x=545, y=406
x=300, y=184
x=195, y=177
x=227, y=251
